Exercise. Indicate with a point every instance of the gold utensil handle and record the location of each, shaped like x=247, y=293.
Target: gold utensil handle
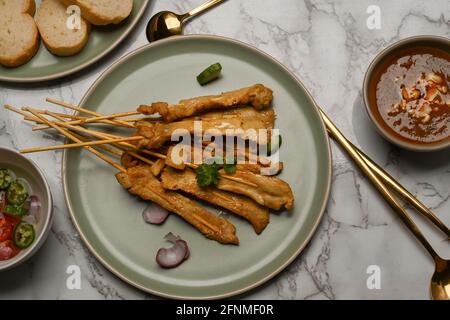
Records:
x=201, y=9
x=392, y=201
x=405, y=194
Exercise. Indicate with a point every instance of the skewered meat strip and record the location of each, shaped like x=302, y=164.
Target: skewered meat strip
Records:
x=257, y=96
x=271, y=192
x=158, y=167
x=129, y=161
x=156, y=134
x=140, y=181
x=186, y=181
x=273, y=169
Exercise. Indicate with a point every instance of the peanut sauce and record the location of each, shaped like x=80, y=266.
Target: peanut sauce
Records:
x=410, y=93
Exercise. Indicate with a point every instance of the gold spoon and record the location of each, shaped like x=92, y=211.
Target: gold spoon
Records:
x=166, y=24
x=440, y=281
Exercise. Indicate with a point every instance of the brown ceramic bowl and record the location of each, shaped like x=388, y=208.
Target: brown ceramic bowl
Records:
x=371, y=78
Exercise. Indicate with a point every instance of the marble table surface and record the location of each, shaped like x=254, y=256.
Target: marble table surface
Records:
x=329, y=46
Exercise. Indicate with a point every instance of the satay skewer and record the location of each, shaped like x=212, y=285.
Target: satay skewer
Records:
x=109, y=149
x=29, y=117
x=79, y=109
x=72, y=137
x=77, y=145
x=109, y=161
x=97, y=134
x=95, y=119
x=102, y=136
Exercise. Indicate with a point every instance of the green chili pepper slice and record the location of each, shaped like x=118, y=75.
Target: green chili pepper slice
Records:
x=16, y=193
x=16, y=211
x=209, y=74
x=24, y=235
x=5, y=179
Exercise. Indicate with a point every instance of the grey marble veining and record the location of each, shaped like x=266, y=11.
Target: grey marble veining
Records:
x=328, y=45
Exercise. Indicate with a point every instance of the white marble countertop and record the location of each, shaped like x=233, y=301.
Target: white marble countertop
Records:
x=329, y=46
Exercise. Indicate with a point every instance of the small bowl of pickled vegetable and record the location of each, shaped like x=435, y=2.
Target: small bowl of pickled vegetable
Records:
x=25, y=208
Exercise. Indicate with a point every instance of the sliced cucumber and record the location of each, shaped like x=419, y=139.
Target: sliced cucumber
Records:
x=209, y=74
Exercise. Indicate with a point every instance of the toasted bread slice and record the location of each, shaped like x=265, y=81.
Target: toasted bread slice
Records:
x=58, y=37
x=19, y=36
x=103, y=12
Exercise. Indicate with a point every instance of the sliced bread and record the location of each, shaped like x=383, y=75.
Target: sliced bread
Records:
x=51, y=19
x=19, y=36
x=103, y=12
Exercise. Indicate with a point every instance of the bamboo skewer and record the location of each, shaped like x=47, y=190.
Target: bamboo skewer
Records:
x=219, y=195
x=44, y=126
x=21, y=112
x=79, y=109
x=64, y=115
x=95, y=119
x=75, y=117
x=94, y=133
x=28, y=117
x=72, y=137
x=206, y=223
x=101, y=146
x=104, y=136
x=87, y=131
x=150, y=119
x=77, y=145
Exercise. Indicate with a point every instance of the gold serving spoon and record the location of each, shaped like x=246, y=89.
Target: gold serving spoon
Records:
x=166, y=24
x=440, y=281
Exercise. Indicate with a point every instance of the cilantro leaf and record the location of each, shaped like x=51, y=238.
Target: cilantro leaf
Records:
x=207, y=174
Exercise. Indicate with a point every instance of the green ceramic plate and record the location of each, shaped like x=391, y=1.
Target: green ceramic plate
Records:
x=45, y=66
x=109, y=219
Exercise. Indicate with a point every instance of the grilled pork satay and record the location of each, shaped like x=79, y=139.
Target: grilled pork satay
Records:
x=140, y=181
x=158, y=167
x=273, y=168
x=129, y=161
x=257, y=96
x=270, y=192
x=186, y=181
x=156, y=134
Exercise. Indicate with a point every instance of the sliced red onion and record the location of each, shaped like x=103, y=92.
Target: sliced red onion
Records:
x=173, y=238
x=35, y=207
x=6, y=252
x=174, y=256
x=154, y=214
